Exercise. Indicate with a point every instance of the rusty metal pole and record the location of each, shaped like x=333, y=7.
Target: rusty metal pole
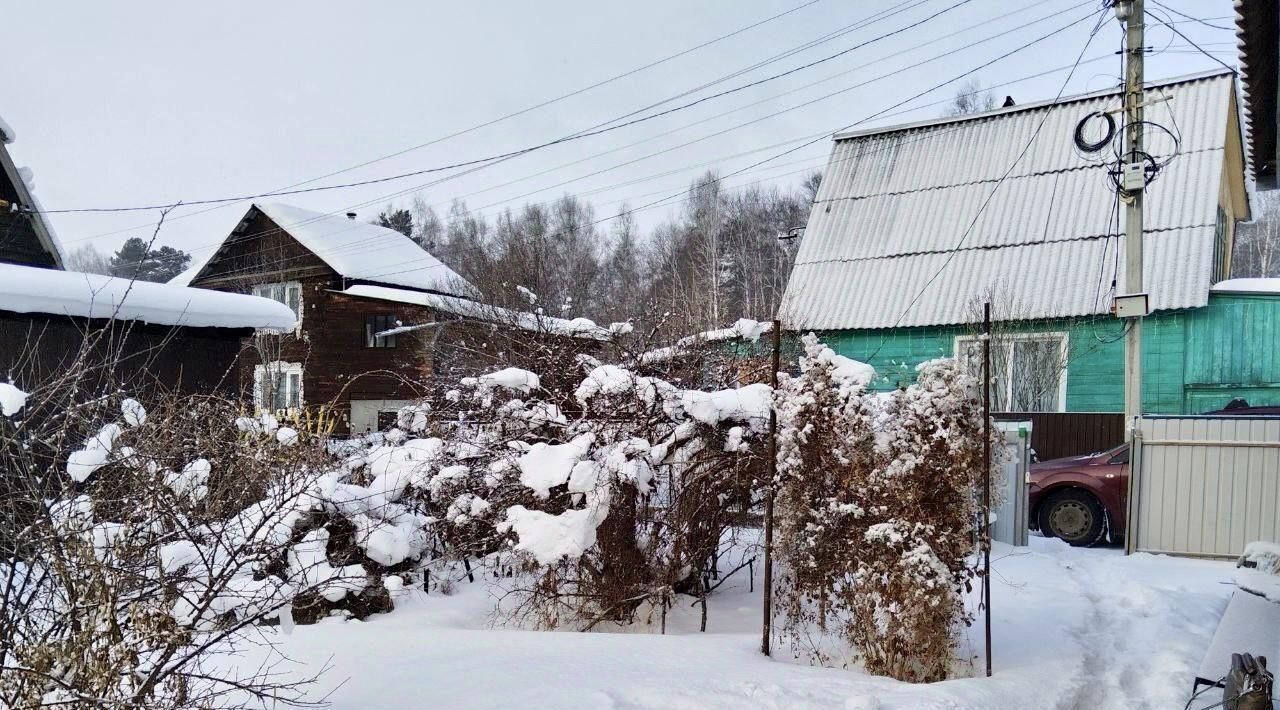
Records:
x=986, y=479
x=767, y=632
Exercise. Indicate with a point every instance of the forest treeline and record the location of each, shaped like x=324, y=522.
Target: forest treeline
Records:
x=718, y=259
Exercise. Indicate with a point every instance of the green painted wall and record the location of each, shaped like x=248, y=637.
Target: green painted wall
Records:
x=1193, y=360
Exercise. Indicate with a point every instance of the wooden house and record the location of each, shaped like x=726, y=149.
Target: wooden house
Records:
x=379, y=319
x=145, y=337
x=915, y=226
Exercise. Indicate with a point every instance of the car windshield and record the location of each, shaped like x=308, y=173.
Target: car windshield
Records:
x=1118, y=454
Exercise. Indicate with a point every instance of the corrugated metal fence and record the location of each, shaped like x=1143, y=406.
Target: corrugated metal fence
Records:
x=1205, y=486
x=1058, y=434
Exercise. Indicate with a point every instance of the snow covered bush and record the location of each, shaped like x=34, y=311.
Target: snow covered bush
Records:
x=587, y=503
x=143, y=546
x=877, y=501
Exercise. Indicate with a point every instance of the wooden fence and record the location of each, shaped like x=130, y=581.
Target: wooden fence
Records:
x=1058, y=434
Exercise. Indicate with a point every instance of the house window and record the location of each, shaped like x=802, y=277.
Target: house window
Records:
x=287, y=292
x=1221, y=247
x=277, y=386
x=378, y=324
x=1028, y=370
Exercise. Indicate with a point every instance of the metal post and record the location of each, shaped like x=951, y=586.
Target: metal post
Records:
x=1132, y=152
x=767, y=632
x=986, y=480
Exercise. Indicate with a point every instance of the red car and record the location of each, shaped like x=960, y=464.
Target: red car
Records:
x=1081, y=499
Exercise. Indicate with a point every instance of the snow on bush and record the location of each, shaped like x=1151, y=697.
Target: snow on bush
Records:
x=11, y=399
x=877, y=498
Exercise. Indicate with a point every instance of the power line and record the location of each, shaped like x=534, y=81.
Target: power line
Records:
x=1191, y=42
x=721, y=132
x=512, y=114
x=521, y=151
x=1202, y=21
x=768, y=99
x=857, y=123
x=824, y=135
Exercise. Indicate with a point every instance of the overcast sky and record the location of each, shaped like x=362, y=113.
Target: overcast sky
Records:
x=139, y=103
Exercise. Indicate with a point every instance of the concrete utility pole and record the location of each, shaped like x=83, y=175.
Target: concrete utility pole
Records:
x=1133, y=305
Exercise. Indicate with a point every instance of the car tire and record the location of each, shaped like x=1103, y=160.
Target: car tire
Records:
x=1073, y=516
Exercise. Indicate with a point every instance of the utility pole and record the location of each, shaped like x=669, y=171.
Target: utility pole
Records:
x=1133, y=305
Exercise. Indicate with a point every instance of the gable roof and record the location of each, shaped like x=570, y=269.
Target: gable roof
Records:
x=357, y=250
x=1257, y=26
x=34, y=241
x=895, y=205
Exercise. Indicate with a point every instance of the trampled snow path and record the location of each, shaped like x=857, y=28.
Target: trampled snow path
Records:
x=1072, y=629
x=1140, y=643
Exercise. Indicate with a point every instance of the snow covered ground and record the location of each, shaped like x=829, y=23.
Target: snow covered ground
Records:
x=1072, y=629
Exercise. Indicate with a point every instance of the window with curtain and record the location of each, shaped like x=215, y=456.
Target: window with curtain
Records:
x=1028, y=370
x=277, y=386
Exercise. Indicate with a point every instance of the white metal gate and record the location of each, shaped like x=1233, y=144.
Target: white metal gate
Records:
x=1204, y=486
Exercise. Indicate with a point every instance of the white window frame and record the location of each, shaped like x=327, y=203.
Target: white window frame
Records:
x=283, y=289
x=293, y=400
x=1064, y=344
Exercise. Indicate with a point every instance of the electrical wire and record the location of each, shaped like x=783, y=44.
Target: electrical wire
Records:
x=513, y=114
x=878, y=114
x=1191, y=42
x=1204, y=22
x=666, y=200
x=607, y=128
x=358, y=245
x=767, y=100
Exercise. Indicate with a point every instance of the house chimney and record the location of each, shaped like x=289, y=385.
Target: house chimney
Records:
x=1008, y=101
x=351, y=215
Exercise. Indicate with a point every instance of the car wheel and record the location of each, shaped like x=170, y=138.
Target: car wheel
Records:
x=1074, y=516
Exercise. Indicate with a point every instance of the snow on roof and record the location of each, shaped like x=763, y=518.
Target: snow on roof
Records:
x=6, y=132
x=895, y=206
x=359, y=250
x=743, y=328
x=1271, y=286
x=26, y=289
x=533, y=322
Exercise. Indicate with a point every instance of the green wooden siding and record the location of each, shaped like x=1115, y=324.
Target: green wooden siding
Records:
x=1193, y=360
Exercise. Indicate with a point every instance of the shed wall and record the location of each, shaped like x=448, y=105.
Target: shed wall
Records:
x=1193, y=360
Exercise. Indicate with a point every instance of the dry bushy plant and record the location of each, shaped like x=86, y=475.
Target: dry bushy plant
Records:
x=877, y=503
x=144, y=549
x=592, y=498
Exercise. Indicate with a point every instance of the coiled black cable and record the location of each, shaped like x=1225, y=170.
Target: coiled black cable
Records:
x=1087, y=146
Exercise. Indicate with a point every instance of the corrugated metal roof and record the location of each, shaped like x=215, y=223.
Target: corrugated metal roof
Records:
x=1258, y=40
x=896, y=203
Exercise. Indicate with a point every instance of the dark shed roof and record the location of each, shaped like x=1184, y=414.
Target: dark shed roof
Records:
x=1257, y=26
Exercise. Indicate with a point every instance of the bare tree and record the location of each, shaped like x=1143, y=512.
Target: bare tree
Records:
x=970, y=97
x=1257, y=243
x=1028, y=364
x=87, y=259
